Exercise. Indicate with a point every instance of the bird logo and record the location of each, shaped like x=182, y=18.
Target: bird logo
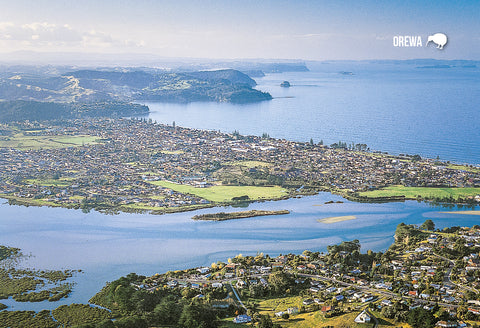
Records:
x=439, y=39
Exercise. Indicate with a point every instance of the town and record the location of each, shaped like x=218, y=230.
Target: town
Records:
x=136, y=165
x=427, y=278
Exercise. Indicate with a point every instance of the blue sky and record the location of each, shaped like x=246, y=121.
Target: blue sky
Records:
x=315, y=30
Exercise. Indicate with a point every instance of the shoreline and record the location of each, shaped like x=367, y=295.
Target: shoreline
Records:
x=222, y=216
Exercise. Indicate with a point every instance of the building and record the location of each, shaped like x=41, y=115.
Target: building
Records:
x=363, y=317
x=242, y=318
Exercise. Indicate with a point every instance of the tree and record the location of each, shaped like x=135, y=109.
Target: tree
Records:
x=421, y=318
x=428, y=225
x=194, y=316
x=105, y=324
x=131, y=322
x=265, y=322
x=416, y=158
x=279, y=282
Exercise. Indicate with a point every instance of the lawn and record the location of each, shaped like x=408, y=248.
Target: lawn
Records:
x=226, y=193
x=250, y=164
x=172, y=152
x=424, y=192
x=21, y=141
x=464, y=168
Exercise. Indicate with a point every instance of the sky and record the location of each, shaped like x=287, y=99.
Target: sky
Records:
x=244, y=29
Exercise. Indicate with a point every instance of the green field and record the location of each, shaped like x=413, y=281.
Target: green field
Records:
x=172, y=152
x=423, y=192
x=464, y=168
x=21, y=141
x=226, y=193
x=250, y=164
x=305, y=320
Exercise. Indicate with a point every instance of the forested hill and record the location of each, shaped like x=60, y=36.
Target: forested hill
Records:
x=33, y=110
x=129, y=85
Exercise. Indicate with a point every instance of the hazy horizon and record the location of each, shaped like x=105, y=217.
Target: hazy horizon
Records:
x=246, y=30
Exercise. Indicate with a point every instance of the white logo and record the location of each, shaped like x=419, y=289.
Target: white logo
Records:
x=407, y=41
x=439, y=39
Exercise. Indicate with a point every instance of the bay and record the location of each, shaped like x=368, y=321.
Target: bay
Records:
x=390, y=107
x=106, y=247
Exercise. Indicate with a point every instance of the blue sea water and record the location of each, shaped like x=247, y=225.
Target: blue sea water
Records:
x=394, y=108
x=397, y=108
x=107, y=247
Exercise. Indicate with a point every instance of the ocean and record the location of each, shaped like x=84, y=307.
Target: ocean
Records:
x=395, y=108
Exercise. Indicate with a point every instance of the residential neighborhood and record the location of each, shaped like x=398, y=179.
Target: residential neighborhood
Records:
x=140, y=165
x=427, y=278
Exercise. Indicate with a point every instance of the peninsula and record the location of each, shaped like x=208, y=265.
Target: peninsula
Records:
x=137, y=165
x=130, y=85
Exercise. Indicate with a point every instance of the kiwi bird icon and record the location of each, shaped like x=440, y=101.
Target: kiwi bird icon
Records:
x=439, y=39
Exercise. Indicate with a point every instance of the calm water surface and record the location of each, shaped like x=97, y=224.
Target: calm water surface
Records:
x=393, y=108
x=107, y=247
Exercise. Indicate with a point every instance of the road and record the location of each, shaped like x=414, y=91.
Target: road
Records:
x=447, y=280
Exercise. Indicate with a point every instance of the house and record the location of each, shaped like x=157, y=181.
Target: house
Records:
x=331, y=289
x=339, y=297
x=203, y=270
x=473, y=310
x=307, y=301
x=242, y=318
x=293, y=310
x=367, y=298
x=326, y=309
x=240, y=283
x=314, y=289
x=387, y=303
x=446, y=324
x=363, y=317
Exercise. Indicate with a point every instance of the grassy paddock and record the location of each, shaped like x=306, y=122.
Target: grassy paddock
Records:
x=250, y=164
x=226, y=193
x=423, y=192
x=21, y=141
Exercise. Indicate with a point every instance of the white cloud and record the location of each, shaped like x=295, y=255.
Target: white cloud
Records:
x=44, y=34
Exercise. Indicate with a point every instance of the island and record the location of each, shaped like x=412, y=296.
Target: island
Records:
x=222, y=216
x=285, y=84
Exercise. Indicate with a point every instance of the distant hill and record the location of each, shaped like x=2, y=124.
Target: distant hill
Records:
x=225, y=85
x=231, y=75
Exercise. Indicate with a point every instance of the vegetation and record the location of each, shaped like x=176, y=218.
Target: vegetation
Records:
x=76, y=314
x=22, y=319
x=9, y=252
x=222, y=216
x=20, y=110
x=25, y=285
x=429, y=193
x=226, y=193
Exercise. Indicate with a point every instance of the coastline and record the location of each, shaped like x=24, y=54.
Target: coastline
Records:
x=222, y=216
